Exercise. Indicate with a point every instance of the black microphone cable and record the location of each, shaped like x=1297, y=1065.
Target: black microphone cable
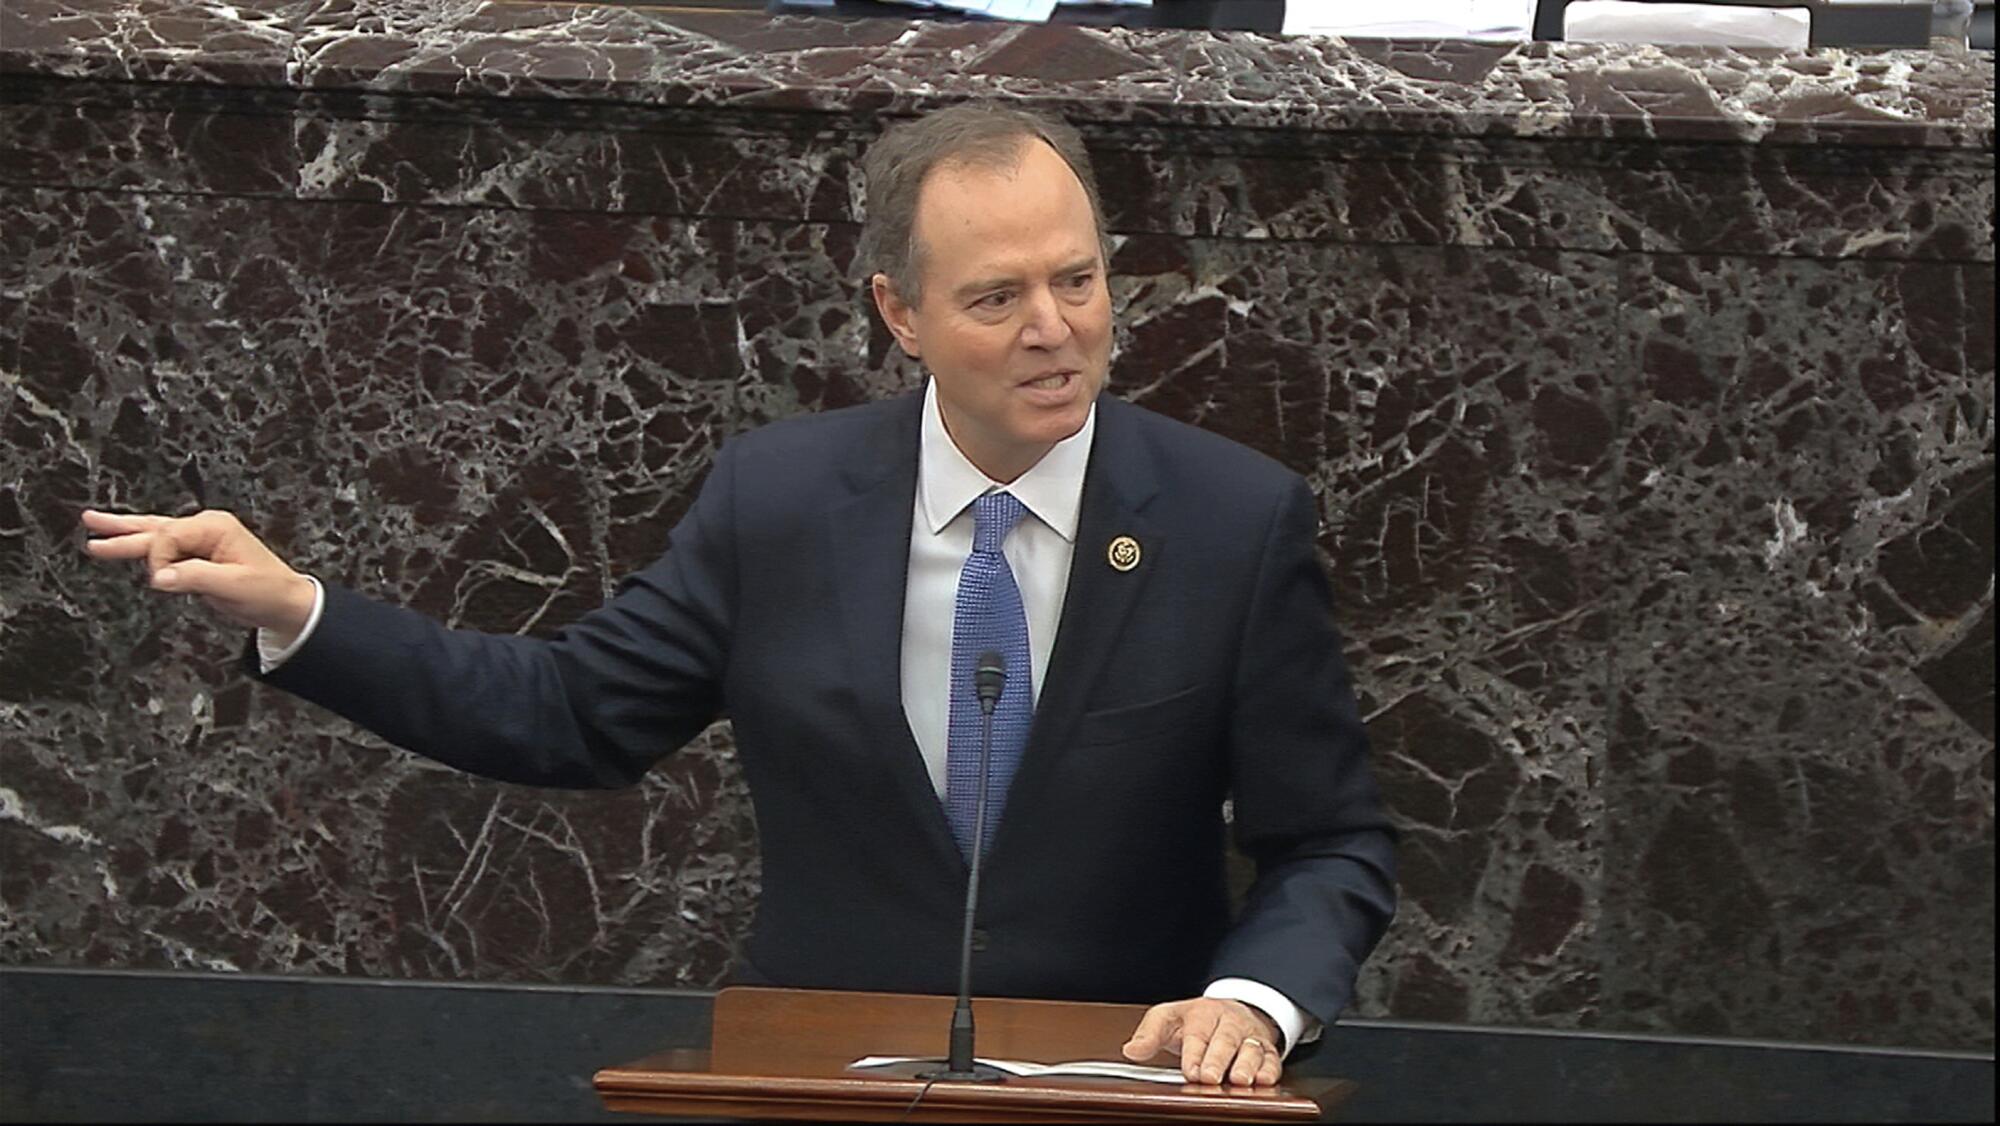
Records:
x=912, y=1108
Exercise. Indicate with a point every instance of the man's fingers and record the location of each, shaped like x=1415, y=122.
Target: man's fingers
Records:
x=1199, y=1029
x=1155, y=1030
x=213, y=555
x=120, y=535
x=131, y=545
x=163, y=550
x=159, y=540
x=170, y=567
x=194, y=576
x=119, y=523
x=1220, y=1041
x=1250, y=1055
x=191, y=537
x=1193, y=1047
x=1220, y=1054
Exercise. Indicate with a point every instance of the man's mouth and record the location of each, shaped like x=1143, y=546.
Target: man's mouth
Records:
x=1054, y=381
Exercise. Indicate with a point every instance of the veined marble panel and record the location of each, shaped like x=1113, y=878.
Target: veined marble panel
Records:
x=1799, y=786
x=1604, y=195
x=403, y=440
x=472, y=48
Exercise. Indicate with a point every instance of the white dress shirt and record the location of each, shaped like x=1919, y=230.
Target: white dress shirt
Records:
x=1038, y=551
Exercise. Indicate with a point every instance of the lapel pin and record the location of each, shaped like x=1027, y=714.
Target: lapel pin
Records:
x=1123, y=554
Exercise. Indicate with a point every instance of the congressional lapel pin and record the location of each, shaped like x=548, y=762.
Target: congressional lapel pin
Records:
x=1123, y=554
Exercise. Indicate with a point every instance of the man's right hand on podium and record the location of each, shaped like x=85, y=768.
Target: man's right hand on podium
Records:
x=213, y=555
x=1219, y=1040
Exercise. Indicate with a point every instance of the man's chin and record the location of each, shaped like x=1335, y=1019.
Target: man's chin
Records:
x=1060, y=426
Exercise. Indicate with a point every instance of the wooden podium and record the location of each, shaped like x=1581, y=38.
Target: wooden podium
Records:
x=783, y=1053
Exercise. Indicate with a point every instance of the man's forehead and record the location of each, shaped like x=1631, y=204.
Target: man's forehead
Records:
x=980, y=223
x=981, y=170
x=967, y=265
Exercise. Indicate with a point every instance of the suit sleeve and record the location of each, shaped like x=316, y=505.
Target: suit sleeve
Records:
x=594, y=706
x=1307, y=809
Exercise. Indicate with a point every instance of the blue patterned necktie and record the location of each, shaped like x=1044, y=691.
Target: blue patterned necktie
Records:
x=988, y=616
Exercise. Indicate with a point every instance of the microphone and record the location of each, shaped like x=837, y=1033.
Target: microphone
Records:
x=989, y=681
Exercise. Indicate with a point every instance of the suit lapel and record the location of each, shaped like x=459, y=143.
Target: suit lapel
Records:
x=1117, y=486
x=869, y=546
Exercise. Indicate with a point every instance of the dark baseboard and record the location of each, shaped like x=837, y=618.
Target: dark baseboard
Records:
x=106, y=1045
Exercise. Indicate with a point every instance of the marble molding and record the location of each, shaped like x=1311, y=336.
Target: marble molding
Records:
x=1649, y=396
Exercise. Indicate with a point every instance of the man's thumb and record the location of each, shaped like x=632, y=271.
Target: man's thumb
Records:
x=191, y=576
x=1146, y=1038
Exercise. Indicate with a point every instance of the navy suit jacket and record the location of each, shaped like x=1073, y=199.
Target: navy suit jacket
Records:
x=1211, y=671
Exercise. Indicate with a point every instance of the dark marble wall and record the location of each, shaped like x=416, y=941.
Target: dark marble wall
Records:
x=1649, y=396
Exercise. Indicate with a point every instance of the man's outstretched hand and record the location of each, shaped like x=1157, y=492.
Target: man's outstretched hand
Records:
x=1220, y=1041
x=211, y=554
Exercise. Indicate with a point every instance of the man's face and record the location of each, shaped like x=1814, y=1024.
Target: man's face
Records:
x=1015, y=320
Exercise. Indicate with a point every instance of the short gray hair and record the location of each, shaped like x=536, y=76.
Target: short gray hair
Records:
x=981, y=134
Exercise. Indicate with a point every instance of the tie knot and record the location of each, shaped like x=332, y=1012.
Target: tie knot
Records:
x=993, y=516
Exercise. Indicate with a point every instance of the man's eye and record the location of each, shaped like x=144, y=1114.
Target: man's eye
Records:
x=1081, y=281
x=994, y=300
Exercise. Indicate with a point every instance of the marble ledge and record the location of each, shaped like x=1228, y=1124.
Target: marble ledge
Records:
x=480, y=49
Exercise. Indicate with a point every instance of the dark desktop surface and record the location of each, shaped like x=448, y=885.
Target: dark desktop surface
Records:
x=97, y=1045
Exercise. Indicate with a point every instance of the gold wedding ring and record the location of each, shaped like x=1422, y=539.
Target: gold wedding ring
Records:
x=1248, y=1040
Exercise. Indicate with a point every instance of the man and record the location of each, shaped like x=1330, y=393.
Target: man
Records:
x=1153, y=590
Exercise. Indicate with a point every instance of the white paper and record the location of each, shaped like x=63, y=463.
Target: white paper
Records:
x=1101, y=1069
x=1026, y=11
x=1699, y=25
x=1023, y=11
x=1411, y=19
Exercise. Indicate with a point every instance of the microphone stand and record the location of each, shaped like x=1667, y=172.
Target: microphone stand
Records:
x=990, y=678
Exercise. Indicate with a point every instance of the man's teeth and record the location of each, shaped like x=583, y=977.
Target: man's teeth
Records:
x=1051, y=382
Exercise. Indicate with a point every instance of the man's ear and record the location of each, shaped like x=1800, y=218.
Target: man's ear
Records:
x=895, y=313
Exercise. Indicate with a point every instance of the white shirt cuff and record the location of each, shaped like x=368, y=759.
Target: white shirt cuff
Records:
x=1294, y=1024
x=269, y=656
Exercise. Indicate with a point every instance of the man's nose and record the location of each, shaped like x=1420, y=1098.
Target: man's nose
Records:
x=1046, y=326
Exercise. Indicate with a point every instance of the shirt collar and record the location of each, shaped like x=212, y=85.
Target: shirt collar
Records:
x=947, y=481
